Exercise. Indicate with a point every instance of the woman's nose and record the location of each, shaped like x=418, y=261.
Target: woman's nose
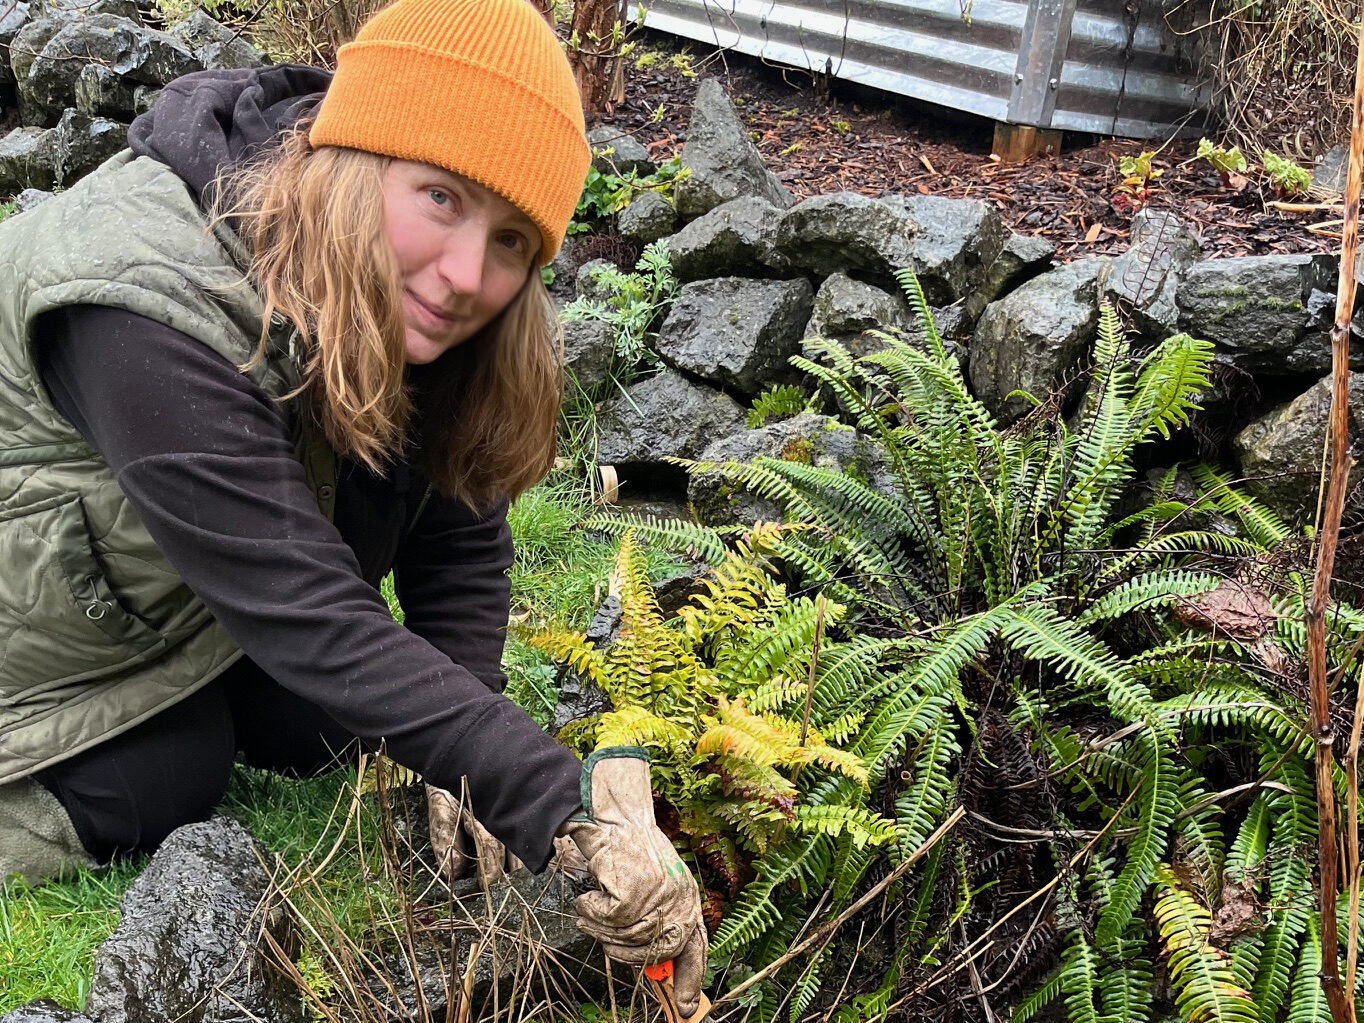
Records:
x=461, y=264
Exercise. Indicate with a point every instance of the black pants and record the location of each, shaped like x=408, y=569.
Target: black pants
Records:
x=127, y=794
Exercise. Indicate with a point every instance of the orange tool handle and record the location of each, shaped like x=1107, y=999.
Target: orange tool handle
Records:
x=659, y=971
x=660, y=977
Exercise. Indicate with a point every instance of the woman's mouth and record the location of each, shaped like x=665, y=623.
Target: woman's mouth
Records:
x=432, y=314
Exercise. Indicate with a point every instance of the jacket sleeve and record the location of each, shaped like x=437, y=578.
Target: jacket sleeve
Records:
x=452, y=580
x=205, y=459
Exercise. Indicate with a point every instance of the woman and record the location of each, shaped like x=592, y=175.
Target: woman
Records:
x=291, y=339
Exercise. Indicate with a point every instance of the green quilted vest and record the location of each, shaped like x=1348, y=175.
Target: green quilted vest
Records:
x=97, y=633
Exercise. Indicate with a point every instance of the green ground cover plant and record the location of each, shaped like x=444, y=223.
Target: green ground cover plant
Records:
x=632, y=304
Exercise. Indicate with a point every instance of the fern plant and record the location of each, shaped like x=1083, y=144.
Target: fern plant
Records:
x=717, y=694
x=1012, y=570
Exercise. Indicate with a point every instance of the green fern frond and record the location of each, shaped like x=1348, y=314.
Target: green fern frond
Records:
x=1309, y=1004
x=1292, y=848
x=802, y=863
x=1169, y=381
x=1148, y=591
x=923, y=801
x=1044, y=635
x=1264, y=527
x=808, y=985
x=1035, y=1003
x=1206, y=989
x=1080, y=980
x=776, y=403
x=1156, y=806
x=861, y=825
x=691, y=538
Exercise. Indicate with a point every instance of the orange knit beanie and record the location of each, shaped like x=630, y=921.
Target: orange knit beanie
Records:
x=479, y=87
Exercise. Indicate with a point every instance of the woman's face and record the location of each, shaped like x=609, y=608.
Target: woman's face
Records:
x=463, y=252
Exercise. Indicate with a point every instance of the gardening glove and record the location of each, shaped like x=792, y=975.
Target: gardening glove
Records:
x=460, y=842
x=648, y=909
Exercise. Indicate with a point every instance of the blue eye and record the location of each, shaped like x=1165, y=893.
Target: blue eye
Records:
x=438, y=197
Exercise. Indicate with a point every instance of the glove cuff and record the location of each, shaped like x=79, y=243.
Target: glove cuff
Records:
x=593, y=759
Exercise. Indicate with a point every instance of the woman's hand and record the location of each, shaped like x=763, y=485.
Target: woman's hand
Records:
x=648, y=909
x=460, y=842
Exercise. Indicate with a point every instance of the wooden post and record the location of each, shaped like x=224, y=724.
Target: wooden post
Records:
x=1014, y=143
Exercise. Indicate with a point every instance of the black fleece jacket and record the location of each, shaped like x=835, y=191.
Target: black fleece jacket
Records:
x=204, y=457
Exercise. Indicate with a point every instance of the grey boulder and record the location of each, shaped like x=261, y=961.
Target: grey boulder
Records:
x=186, y=948
x=846, y=231
x=28, y=159
x=1280, y=453
x=587, y=283
x=1145, y=278
x=844, y=308
x=23, y=50
x=1255, y=310
x=12, y=19
x=665, y=415
x=29, y=198
x=82, y=143
x=722, y=159
x=214, y=44
x=737, y=333
x=953, y=243
x=102, y=93
x=1032, y=337
x=648, y=218
x=807, y=439
x=136, y=54
x=732, y=240
x=1022, y=258
x=589, y=351
x=43, y=1012
x=617, y=152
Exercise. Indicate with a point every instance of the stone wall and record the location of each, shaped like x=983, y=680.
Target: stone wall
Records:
x=761, y=273
x=74, y=73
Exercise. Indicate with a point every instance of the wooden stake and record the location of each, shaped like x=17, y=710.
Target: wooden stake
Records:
x=1338, y=474
x=1014, y=143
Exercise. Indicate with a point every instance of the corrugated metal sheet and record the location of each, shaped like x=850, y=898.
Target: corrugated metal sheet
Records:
x=1114, y=77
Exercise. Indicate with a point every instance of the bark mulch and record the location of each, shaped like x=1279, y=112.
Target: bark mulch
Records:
x=828, y=136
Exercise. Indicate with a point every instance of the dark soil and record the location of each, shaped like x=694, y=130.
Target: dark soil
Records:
x=819, y=136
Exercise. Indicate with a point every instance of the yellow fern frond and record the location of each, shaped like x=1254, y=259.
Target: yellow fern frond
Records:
x=748, y=736
x=847, y=764
x=630, y=582
x=1206, y=988
x=573, y=649
x=635, y=726
x=776, y=693
x=756, y=781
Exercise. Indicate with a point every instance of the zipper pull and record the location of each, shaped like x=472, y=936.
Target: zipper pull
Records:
x=97, y=608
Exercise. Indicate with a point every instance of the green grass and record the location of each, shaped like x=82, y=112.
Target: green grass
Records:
x=6, y=209
x=49, y=934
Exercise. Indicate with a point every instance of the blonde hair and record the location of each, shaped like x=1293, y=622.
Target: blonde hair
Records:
x=482, y=417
